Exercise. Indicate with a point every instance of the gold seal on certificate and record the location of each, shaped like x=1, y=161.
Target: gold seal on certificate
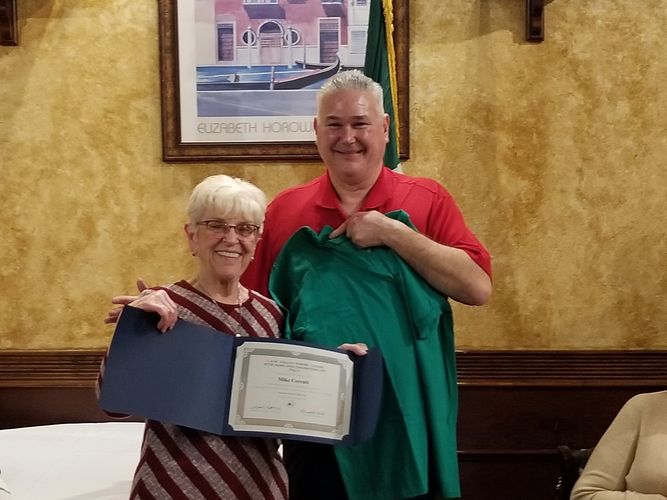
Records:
x=291, y=389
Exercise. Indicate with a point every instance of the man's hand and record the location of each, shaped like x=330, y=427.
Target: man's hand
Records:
x=123, y=300
x=449, y=270
x=365, y=229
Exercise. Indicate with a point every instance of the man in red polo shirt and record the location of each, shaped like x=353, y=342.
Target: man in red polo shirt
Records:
x=352, y=196
x=356, y=190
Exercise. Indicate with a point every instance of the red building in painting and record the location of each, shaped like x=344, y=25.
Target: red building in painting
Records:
x=281, y=32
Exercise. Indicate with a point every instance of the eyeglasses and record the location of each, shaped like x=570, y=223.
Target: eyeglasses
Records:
x=243, y=230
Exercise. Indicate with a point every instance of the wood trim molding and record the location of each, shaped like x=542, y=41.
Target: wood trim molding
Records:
x=593, y=368
x=480, y=368
x=9, y=34
x=49, y=367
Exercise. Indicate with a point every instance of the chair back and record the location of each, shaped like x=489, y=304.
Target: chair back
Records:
x=572, y=463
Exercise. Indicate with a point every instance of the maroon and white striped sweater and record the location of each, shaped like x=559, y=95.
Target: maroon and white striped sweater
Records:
x=181, y=463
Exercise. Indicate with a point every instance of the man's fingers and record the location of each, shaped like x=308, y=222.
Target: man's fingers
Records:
x=112, y=315
x=123, y=299
x=339, y=230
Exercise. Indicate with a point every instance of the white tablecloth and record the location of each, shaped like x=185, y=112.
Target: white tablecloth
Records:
x=70, y=461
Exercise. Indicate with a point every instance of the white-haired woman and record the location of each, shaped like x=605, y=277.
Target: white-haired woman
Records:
x=225, y=221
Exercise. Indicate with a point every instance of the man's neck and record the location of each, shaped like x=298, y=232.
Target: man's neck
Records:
x=351, y=193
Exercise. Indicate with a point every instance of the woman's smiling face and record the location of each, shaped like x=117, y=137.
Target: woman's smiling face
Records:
x=222, y=255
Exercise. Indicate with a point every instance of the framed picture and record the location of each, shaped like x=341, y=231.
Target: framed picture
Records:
x=239, y=78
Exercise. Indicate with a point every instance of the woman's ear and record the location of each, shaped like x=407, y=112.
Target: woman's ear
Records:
x=190, y=234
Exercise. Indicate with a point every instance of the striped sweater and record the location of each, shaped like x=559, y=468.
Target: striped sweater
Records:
x=181, y=463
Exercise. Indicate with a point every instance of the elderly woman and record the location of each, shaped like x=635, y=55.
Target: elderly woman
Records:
x=225, y=222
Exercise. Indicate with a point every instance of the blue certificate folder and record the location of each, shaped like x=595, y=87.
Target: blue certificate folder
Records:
x=185, y=377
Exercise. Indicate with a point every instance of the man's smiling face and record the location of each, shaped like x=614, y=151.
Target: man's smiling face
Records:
x=352, y=132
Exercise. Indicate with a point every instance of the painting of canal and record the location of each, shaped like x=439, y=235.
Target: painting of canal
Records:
x=250, y=69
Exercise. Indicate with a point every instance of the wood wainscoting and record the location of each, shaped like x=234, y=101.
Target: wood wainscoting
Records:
x=515, y=407
x=40, y=387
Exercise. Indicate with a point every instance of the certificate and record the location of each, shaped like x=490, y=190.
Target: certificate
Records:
x=212, y=381
x=291, y=389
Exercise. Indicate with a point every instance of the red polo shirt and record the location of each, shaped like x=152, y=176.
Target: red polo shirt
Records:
x=431, y=208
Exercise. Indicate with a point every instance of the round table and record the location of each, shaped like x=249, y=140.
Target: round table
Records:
x=70, y=461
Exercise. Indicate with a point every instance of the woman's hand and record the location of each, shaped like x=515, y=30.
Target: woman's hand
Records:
x=158, y=301
x=360, y=349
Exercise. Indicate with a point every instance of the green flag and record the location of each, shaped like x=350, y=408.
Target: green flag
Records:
x=380, y=66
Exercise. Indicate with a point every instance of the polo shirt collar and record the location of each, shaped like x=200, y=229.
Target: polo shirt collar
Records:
x=326, y=195
x=376, y=197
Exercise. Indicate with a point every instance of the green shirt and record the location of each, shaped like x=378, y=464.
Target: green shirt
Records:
x=335, y=292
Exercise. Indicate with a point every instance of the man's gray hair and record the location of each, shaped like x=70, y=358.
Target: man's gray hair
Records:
x=351, y=80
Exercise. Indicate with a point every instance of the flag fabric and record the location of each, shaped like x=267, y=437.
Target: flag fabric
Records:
x=380, y=65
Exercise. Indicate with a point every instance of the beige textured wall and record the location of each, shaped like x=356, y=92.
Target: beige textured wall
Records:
x=556, y=152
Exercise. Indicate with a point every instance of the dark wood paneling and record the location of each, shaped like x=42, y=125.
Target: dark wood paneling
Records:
x=41, y=387
x=28, y=406
x=562, y=368
x=515, y=406
x=49, y=367
x=508, y=434
x=494, y=475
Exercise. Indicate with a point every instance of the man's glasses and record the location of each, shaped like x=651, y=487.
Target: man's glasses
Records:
x=243, y=230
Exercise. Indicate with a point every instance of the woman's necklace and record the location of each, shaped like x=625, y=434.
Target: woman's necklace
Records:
x=238, y=307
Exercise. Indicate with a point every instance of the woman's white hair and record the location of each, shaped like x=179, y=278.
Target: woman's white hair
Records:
x=231, y=197
x=351, y=80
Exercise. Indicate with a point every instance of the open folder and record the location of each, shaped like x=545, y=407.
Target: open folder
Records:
x=197, y=377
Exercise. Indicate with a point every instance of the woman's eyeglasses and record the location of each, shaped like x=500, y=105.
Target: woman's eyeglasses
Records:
x=243, y=230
